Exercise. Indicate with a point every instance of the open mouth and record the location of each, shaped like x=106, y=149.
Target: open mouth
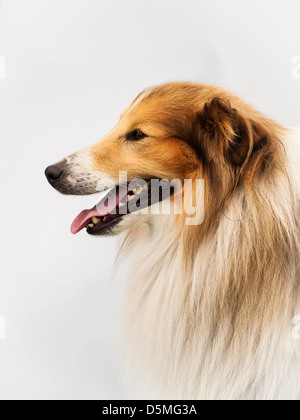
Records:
x=119, y=202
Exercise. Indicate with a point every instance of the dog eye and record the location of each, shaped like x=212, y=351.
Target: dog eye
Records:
x=136, y=135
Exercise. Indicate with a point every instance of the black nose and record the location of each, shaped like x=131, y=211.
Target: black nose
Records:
x=53, y=173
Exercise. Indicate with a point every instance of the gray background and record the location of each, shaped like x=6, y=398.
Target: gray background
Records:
x=72, y=66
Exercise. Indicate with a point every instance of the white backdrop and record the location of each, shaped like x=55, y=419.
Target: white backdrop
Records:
x=67, y=70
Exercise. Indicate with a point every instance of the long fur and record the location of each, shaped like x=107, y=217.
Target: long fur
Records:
x=220, y=326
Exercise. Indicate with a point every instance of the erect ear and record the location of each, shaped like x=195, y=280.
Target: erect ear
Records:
x=224, y=135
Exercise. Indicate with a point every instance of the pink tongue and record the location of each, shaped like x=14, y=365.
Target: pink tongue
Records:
x=102, y=209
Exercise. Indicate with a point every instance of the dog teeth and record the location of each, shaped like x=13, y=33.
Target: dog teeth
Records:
x=95, y=220
x=91, y=225
x=137, y=189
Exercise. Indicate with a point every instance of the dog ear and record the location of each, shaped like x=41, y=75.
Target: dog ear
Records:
x=224, y=135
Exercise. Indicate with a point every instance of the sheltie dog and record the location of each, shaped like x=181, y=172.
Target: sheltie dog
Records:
x=211, y=307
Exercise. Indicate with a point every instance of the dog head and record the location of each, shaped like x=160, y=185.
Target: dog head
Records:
x=171, y=132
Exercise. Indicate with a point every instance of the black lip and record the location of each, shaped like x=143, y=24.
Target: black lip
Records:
x=104, y=228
